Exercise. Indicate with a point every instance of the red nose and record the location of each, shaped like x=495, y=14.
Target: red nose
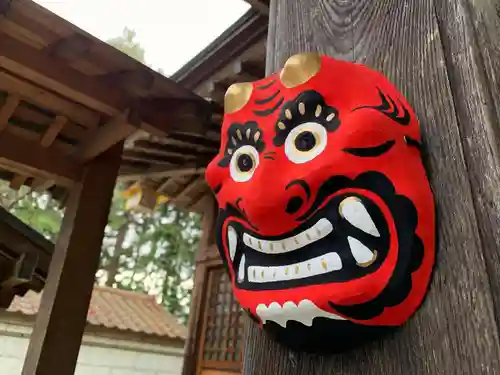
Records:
x=275, y=207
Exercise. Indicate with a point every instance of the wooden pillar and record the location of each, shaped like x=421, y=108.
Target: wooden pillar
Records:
x=444, y=56
x=56, y=339
x=196, y=312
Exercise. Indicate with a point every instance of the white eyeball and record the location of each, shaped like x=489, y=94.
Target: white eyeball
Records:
x=305, y=142
x=243, y=163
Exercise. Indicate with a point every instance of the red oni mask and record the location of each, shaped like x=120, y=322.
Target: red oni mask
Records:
x=326, y=220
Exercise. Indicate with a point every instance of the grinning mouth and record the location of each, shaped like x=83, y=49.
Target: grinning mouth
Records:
x=346, y=239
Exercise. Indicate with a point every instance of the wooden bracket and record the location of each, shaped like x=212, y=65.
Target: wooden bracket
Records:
x=22, y=270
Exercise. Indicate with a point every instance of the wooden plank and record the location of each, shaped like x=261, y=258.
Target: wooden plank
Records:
x=29, y=157
x=63, y=311
x=455, y=332
x=473, y=59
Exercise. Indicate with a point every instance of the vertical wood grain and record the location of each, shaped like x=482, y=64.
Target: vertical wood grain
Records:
x=60, y=323
x=444, y=56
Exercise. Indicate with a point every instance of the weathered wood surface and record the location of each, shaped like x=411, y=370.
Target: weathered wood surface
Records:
x=444, y=55
x=56, y=338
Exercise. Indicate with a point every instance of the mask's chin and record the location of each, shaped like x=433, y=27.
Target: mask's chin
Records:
x=346, y=239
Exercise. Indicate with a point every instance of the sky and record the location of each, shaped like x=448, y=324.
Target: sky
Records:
x=170, y=31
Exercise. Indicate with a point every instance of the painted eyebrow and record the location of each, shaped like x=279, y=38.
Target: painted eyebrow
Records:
x=393, y=112
x=366, y=152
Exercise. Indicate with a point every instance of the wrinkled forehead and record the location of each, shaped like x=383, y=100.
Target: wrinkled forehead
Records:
x=342, y=84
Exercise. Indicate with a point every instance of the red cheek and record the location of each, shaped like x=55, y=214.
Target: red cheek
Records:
x=216, y=175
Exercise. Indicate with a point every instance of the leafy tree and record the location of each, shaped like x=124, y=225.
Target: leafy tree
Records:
x=127, y=44
x=37, y=210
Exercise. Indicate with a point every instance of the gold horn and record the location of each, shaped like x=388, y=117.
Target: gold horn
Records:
x=300, y=68
x=237, y=95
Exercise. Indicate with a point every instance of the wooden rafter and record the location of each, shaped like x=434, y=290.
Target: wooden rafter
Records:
x=41, y=184
x=93, y=92
x=48, y=100
x=158, y=172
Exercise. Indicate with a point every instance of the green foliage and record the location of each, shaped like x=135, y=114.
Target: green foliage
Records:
x=36, y=210
x=127, y=44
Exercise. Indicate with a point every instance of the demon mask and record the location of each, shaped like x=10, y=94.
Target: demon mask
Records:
x=326, y=219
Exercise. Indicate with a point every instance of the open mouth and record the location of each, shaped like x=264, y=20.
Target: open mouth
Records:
x=346, y=239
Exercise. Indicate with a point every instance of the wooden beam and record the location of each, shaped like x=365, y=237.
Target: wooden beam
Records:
x=138, y=82
x=29, y=158
x=8, y=110
x=64, y=306
x=456, y=44
x=70, y=48
x=116, y=130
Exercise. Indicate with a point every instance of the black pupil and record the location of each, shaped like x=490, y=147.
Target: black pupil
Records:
x=305, y=141
x=245, y=163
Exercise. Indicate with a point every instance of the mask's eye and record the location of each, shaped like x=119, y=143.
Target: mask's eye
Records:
x=305, y=142
x=243, y=163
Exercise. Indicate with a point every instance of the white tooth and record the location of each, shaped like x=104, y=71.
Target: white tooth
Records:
x=241, y=269
x=316, y=266
x=319, y=230
x=353, y=210
x=360, y=252
x=304, y=312
x=333, y=261
x=232, y=239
